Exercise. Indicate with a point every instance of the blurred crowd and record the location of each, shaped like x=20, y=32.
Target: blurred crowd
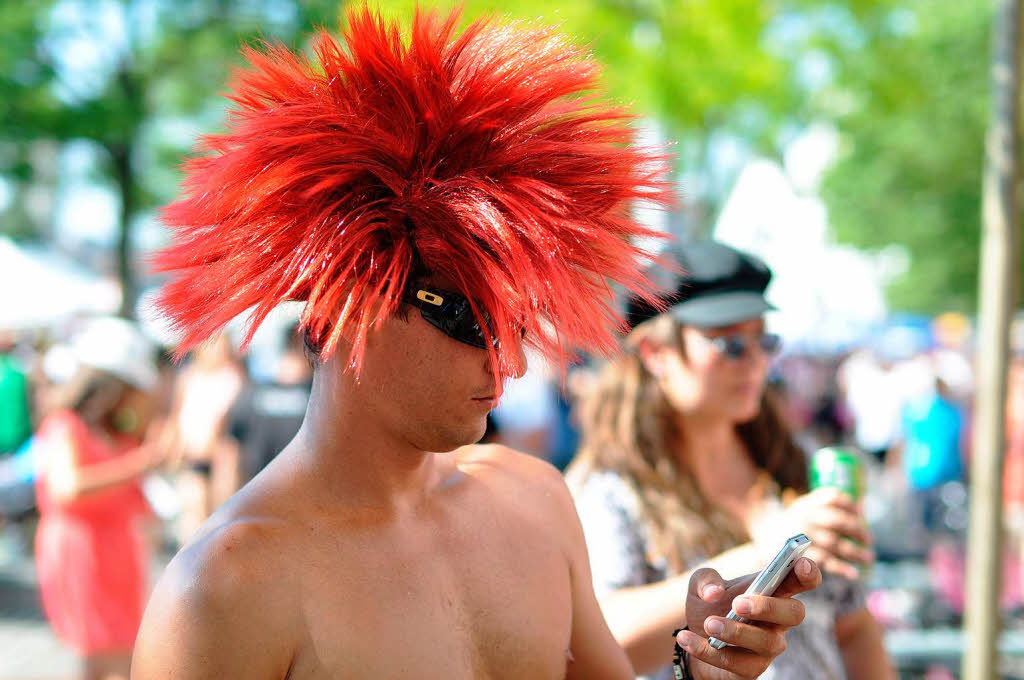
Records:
x=901, y=401
x=202, y=427
x=214, y=422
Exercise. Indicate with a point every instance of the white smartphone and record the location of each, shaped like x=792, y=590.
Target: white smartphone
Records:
x=771, y=576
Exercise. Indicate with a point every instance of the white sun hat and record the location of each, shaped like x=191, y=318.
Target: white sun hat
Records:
x=118, y=347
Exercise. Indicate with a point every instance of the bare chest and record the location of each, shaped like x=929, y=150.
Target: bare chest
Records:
x=482, y=601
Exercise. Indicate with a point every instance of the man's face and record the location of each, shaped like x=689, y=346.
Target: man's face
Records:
x=430, y=389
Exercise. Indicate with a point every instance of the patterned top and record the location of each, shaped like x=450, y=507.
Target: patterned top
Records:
x=621, y=557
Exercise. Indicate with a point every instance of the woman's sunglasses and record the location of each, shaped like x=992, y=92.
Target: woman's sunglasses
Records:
x=451, y=314
x=737, y=346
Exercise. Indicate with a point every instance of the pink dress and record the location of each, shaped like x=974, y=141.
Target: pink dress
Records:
x=91, y=554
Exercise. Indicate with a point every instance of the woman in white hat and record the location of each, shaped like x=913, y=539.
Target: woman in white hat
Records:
x=96, y=443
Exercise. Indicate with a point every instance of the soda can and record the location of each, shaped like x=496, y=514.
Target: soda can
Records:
x=840, y=468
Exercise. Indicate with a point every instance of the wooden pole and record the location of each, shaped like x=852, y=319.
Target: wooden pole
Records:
x=997, y=299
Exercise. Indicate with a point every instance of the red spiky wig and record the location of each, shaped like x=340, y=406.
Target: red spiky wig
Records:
x=481, y=156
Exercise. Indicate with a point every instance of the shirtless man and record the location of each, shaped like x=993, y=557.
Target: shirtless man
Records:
x=374, y=546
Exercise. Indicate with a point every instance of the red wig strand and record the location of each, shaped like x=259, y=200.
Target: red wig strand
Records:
x=479, y=156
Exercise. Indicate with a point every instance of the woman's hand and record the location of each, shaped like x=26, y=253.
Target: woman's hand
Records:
x=840, y=539
x=753, y=645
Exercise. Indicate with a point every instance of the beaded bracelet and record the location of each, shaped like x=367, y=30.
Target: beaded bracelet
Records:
x=681, y=658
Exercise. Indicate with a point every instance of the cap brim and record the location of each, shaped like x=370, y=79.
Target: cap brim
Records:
x=721, y=309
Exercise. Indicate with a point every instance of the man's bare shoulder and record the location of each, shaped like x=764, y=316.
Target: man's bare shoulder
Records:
x=227, y=589
x=526, y=481
x=508, y=466
x=245, y=549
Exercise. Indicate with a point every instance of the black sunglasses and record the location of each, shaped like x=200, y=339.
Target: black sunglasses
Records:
x=737, y=346
x=451, y=314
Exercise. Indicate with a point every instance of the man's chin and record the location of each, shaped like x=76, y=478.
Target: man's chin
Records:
x=478, y=432
x=457, y=438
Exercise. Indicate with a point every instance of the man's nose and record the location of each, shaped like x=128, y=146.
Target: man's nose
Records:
x=518, y=363
x=521, y=362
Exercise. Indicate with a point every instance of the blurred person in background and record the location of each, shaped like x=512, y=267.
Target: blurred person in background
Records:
x=96, y=443
x=536, y=416
x=1013, y=473
x=685, y=462
x=203, y=395
x=952, y=355
x=874, y=397
x=17, y=496
x=437, y=198
x=525, y=418
x=15, y=412
x=267, y=416
x=930, y=448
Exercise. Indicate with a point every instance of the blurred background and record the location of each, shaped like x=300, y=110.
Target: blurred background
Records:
x=840, y=140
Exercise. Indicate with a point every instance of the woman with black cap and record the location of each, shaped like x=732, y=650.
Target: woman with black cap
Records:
x=685, y=462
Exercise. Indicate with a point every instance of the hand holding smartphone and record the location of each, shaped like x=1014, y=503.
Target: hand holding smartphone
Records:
x=771, y=576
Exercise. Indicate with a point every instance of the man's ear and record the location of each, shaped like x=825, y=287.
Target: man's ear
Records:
x=653, y=356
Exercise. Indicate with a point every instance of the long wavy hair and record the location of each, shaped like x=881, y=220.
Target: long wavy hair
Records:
x=629, y=428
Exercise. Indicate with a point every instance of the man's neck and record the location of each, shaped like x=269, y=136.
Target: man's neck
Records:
x=355, y=459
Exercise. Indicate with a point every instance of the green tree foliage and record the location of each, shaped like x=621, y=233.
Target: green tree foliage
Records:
x=910, y=99
x=153, y=62
x=703, y=69
x=706, y=70
x=687, y=63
